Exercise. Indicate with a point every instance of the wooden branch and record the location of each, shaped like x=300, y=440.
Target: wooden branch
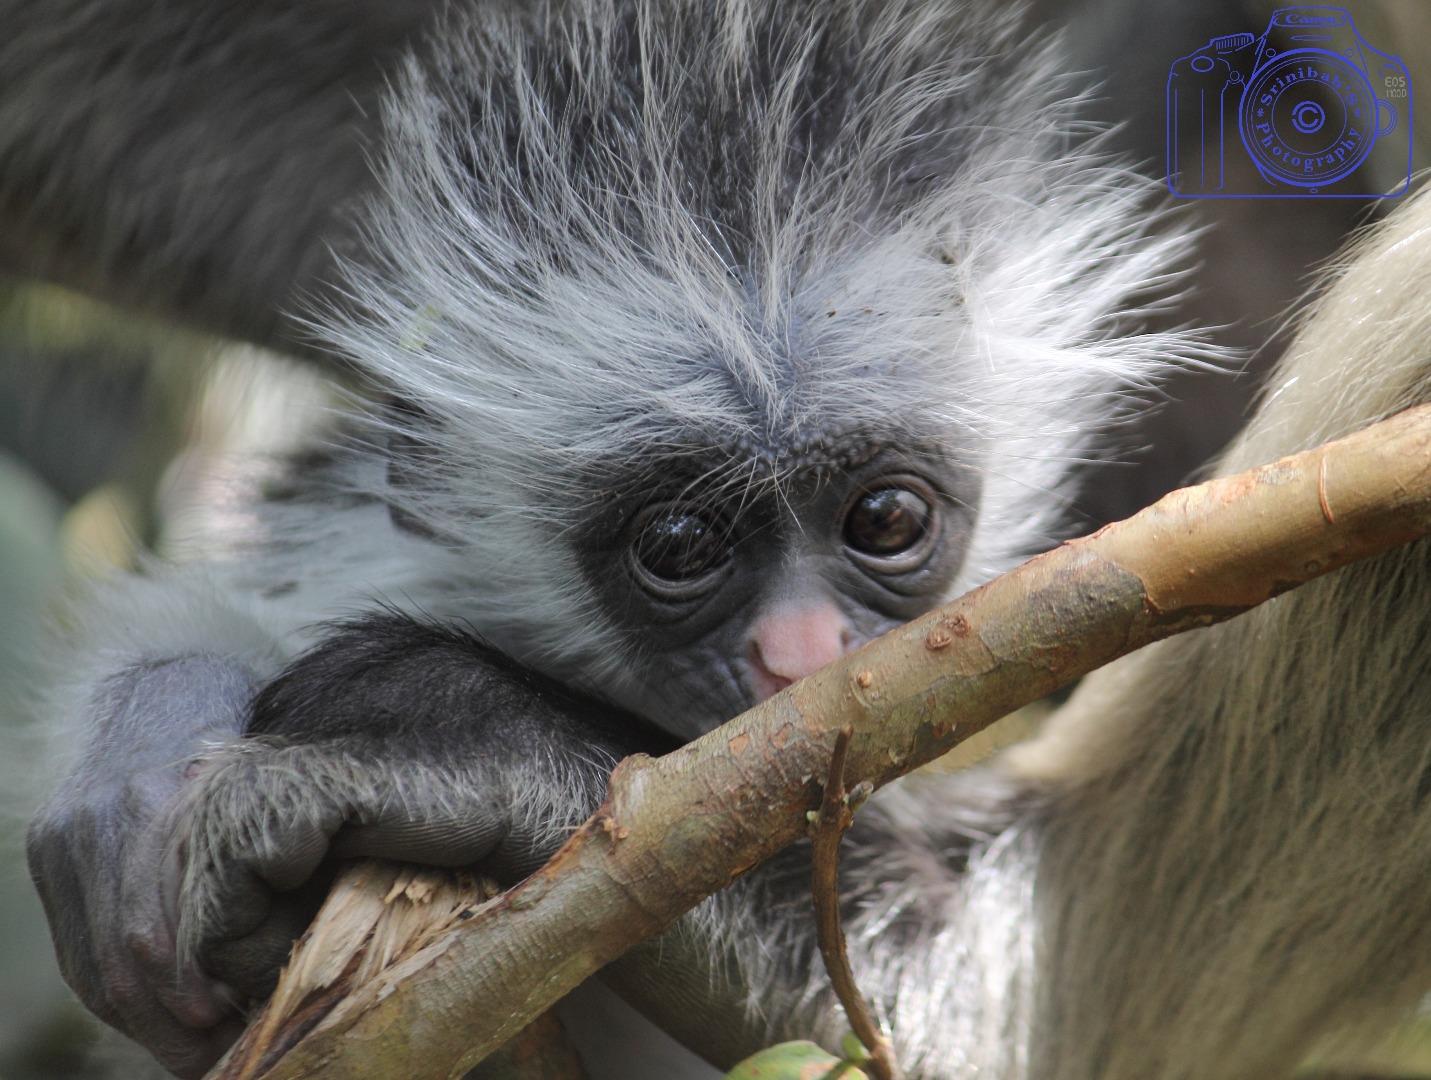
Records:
x=836, y=814
x=677, y=829
x=376, y=914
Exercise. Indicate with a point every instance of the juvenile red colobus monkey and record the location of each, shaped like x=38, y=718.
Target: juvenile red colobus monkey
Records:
x=706, y=341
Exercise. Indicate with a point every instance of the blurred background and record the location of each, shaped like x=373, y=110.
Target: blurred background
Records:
x=108, y=419
x=106, y=424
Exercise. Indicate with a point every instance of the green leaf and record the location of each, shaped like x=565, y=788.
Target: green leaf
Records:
x=853, y=1049
x=795, y=1061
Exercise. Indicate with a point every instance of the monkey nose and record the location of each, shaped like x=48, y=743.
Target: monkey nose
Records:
x=787, y=643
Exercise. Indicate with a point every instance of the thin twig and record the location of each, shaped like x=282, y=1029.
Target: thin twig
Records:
x=828, y=825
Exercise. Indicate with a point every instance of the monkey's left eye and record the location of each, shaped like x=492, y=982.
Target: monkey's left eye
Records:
x=676, y=546
x=893, y=523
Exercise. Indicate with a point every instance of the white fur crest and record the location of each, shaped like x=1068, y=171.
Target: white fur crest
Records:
x=621, y=232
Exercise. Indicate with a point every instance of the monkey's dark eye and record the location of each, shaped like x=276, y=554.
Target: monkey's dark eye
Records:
x=676, y=545
x=888, y=521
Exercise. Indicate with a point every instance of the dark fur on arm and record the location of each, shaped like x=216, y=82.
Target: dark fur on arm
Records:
x=393, y=738
x=399, y=678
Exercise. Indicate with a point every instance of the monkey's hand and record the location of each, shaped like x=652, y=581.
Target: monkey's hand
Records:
x=392, y=739
x=99, y=853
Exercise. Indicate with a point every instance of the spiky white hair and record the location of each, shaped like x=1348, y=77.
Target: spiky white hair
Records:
x=619, y=232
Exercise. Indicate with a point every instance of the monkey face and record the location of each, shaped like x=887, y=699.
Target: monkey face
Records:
x=728, y=590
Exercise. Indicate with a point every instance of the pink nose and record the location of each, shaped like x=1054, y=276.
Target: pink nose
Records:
x=789, y=642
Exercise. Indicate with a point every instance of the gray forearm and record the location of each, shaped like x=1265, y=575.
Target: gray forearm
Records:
x=142, y=726
x=148, y=710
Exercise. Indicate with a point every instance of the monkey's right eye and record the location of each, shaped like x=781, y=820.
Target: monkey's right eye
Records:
x=676, y=546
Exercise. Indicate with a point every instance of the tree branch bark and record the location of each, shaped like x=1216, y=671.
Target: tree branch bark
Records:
x=674, y=830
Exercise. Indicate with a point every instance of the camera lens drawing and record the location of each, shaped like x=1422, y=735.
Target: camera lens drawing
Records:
x=1308, y=118
x=1308, y=109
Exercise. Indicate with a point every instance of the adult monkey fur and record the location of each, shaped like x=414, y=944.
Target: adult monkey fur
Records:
x=796, y=269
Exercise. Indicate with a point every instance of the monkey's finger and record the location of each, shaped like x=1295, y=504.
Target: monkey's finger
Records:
x=133, y=1004
x=250, y=964
x=238, y=858
x=179, y=1014
x=287, y=859
x=520, y=854
x=448, y=841
x=225, y=904
x=187, y=1053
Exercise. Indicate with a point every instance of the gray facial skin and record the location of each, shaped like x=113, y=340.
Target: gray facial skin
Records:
x=695, y=661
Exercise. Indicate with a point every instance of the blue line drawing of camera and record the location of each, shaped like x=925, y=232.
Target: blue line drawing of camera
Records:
x=1316, y=111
